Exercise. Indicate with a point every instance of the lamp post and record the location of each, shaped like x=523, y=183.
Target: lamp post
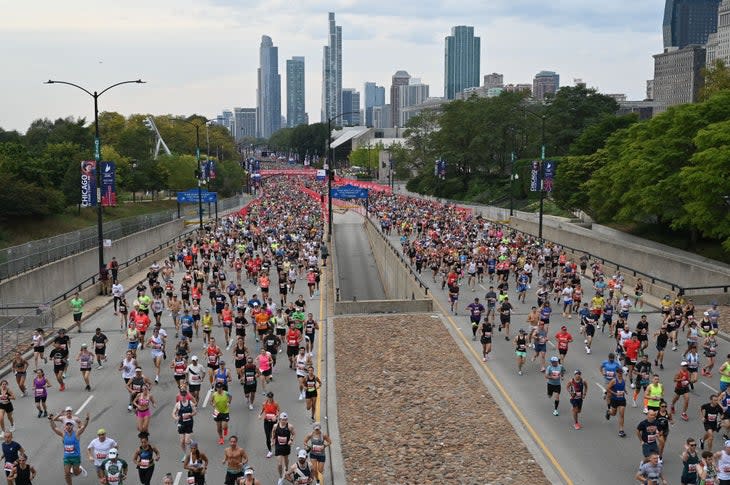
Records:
x=512, y=177
x=97, y=154
x=199, y=173
x=331, y=172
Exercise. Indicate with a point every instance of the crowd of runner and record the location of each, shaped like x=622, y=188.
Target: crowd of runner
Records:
x=459, y=252
x=196, y=299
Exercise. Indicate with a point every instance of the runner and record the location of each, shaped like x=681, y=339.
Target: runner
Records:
x=213, y=355
x=59, y=357
x=145, y=457
x=301, y=472
x=221, y=401
x=12, y=450
x=265, y=365
x=249, y=379
x=99, y=340
x=311, y=384
x=520, y=350
x=39, y=346
x=6, y=406
x=616, y=391
x=648, y=433
x=156, y=344
x=486, y=339
x=505, y=312
x=77, y=309
x=651, y=471
x=114, y=469
x=282, y=435
x=143, y=403
x=22, y=472
x=681, y=388
x=564, y=338
x=269, y=413
x=553, y=374
x=196, y=375
x=642, y=381
x=310, y=327
x=711, y=414
x=98, y=450
x=475, y=315
x=236, y=459
x=20, y=369
x=85, y=360
x=71, y=447
x=539, y=338
x=135, y=385
x=577, y=389
x=183, y=413
x=196, y=464
x=40, y=392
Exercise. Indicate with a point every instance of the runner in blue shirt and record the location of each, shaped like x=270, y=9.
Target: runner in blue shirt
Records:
x=554, y=373
x=71, y=447
x=475, y=315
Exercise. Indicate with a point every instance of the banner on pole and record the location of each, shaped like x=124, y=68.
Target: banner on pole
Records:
x=88, y=183
x=535, y=176
x=108, y=184
x=548, y=175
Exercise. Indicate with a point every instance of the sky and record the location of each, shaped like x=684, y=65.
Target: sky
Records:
x=201, y=56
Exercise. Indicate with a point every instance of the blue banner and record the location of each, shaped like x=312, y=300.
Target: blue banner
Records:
x=88, y=183
x=108, y=184
x=349, y=192
x=191, y=196
x=548, y=175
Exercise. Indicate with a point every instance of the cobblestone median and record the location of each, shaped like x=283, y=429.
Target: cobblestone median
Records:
x=412, y=410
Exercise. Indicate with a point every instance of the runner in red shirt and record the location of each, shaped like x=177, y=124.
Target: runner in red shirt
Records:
x=631, y=354
x=141, y=323
x=563, y=337
x=293, y=337
x=213, y=354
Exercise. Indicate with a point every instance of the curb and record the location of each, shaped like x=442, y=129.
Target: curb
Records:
x=336, y=462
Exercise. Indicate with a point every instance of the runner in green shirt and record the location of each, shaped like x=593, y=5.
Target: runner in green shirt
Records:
x=221, y=407
x=77, y=308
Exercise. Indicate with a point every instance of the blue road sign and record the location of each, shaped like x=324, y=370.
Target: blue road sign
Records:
x=191, y=196
x=349, y=192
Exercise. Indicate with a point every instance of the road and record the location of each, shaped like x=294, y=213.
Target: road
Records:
x=595, y=454
x=107, y=404
x=358, y=275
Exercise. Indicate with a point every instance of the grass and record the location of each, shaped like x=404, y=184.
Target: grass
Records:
x=21, y=231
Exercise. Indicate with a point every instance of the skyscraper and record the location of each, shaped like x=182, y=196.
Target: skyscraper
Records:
x=374, y=96
x=689, y=22
x=461, y=60
x=414, y=93
x=494, y=80
x=400, y=78
x=244, y=123
x=545, y=83
x=718, y=44
x=350, y=105
x=295, y=113
x=332, y=72
x=268, y=95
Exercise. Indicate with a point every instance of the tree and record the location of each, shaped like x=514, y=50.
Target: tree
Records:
x=594, y=136
x=180, y=170
x=717, y=79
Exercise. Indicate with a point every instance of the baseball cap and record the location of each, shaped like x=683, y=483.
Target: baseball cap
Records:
x=69, y=408
x=101, y=431
x=283, y=416
x=302, y=454
x=83, y=346
x=684, y=363
x=138, y=369
x=554, y=359
x=113, y=453
x=707, y=314
x=193, y=444
x=207, y=311
x=317, y=425
x=620, y=370
x=269, y=394
x=249, y=471
x=577, y=371
x=727, y=444
x=194, y=357
x=255, y=303
x=563, y=328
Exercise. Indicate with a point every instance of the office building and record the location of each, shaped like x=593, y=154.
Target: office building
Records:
x=400, y=78
x=226, y=119
x=494, y=80
x=545, y=83
x=295, y=113
x=461, y=60
x=350, y=107
x=689, y=22
x=332, y=72
x=244, y=123
x=382, y=116
x=678, y=76
x=268, y=106
x=718, y=43
x=413, y=94
x=374, y=96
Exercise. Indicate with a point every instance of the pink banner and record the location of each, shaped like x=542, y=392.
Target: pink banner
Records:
x=307, y=172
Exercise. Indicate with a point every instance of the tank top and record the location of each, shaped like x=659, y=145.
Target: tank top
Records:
x=654, y=393
x=156, y=343
x=693, y=361
x=309, y=326
x=302, y=474
x=212, y=355
x=240, y=353
x=283, y=435
x=310, y=384
x=270, y=410
x=22, y=476
x=179, y=367
x=249, y=375
x=37, y=340
x=39, y=387
x=264, y=362
x=137, y=383
x=145, y=458
x=85, y=360
x=521, y=344
x=689, y=468
x=301, y=365
x=619, y=390
x=71, y=446
x=221, y=375
x=185, y=412
x=317, y=444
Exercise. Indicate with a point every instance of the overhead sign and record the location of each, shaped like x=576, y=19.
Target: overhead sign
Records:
x=191, y=196
x=349, y=192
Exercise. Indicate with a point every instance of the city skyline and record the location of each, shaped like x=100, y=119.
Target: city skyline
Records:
x=185, y=75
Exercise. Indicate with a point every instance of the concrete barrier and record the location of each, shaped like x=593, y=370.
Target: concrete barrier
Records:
x=47, y=282
x=383, y=306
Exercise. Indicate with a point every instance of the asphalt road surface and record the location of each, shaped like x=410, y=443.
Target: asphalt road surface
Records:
x=358, y=275
x=108, y=398
x=594, y=454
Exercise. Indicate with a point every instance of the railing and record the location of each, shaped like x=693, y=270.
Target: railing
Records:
x=19, y=327
x=24, y=257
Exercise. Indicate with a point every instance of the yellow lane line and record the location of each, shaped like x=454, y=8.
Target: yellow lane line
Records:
x=507, y=398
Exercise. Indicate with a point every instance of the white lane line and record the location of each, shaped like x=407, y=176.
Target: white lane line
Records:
x=81, y=408
x=207, y=397
x=482, y=287
x=551, y=344
x=710, y=387
x=601, y=387
x=177, y=478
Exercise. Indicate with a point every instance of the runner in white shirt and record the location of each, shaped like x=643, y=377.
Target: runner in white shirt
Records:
x=98, y=450
x=196, y=374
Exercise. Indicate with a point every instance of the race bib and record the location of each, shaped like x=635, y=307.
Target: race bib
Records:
x=39, y=392
x=144, y=463
x=317, y=449
x=270, y=417
x=101, y=455
x=282, y=440
x=69, y=448
x=187, y=416
x=9, y=466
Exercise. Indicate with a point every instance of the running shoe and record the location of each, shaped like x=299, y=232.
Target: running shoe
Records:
x=84, y=473
x=608, y=414
x=702, y=444
x=684, y=416
x=555, y=412
x=577, y=426
x=622, y=434
x=250, y=406
x=268, y=455
x=220, y=441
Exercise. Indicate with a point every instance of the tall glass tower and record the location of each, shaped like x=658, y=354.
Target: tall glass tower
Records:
x=268, y=96
x=332, y=72
x=461, y=60
x=688, y=22
x=295, y=112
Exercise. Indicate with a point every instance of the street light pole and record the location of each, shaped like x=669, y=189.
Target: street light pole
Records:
x=512, y=184
x=331, y=172
x=97, y=155
x=542, y=178
x=199, y=173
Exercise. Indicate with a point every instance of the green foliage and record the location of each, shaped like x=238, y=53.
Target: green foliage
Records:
x=180, y=170
x=21, y=199
x=303, y=139
x=594, y=136
x=717, y=79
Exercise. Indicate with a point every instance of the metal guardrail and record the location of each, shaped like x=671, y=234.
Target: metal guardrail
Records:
x=24, y=257
x=19, y=327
